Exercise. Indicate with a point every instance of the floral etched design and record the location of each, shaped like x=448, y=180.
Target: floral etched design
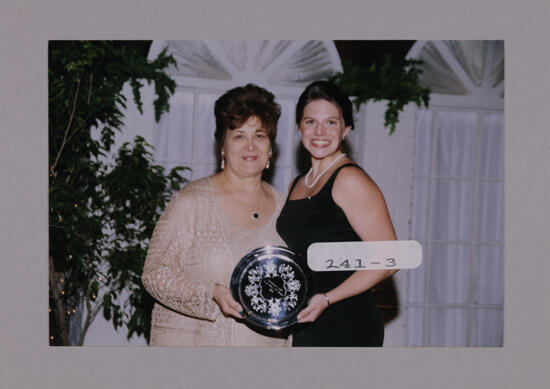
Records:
x=264, y=302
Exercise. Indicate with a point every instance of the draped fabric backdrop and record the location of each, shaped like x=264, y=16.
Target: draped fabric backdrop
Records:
x=456, y=297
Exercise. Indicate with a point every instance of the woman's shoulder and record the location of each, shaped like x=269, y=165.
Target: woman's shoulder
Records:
x=197, y=188
x=354, y=186
x=193, y=194
x=351, y=177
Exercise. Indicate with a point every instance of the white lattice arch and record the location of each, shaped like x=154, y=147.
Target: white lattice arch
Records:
x=462, y=74
x=226, y=63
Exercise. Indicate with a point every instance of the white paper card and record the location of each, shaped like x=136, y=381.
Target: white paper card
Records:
x=350, y=256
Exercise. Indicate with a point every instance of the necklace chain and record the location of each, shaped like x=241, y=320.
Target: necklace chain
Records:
x=320, y=174
x=255, y=214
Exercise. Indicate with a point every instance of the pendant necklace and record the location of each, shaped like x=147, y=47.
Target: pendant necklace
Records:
x=320, y=174
x=255, y=214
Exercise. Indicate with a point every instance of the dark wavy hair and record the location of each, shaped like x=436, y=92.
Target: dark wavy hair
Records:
x=325, y=90
x=237, y=105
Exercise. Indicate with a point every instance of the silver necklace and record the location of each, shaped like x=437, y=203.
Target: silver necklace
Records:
x=320, y=174
x=255, y=214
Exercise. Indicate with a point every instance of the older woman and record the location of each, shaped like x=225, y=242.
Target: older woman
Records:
x=210, y=225
x=335, y=201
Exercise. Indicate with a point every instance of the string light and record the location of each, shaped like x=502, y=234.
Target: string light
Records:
x=51, y=337
x=76, y=205
x=62, y=292
x=74, y=310
x=99, y=279
x=49, y=309
x=69, y=313
x=70, y=256
x=62, y=280
x=93, y=296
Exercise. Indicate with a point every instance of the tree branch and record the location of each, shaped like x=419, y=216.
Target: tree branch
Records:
x=91, y=85
x=84, y=123
x=52, y=168
x=90, y=316
x=61, y=319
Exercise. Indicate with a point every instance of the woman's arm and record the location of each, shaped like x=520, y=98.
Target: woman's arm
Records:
x=165, y=275
x=365, y=208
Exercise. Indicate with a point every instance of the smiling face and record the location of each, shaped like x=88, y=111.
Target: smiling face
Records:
x=247, y=148
x=322, y=127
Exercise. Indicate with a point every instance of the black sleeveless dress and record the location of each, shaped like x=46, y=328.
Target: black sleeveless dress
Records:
x=351, y=322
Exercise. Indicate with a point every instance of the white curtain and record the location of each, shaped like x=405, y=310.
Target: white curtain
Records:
x=456, y=297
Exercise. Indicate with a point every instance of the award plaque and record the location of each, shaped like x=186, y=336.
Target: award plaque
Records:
x=270, y=286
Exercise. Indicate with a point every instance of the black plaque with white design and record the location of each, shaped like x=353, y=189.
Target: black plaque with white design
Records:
x=270, y=286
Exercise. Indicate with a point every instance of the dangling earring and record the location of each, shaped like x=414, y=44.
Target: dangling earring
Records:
x=223, y=161
x=269, y=159
x=343, y=137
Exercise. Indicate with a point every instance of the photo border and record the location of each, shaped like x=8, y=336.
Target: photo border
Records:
x=27, y=359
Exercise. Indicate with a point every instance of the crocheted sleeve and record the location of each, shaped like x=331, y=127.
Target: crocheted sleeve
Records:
x=165, y=275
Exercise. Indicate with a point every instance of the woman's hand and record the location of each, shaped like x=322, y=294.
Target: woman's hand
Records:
x=226, y=302
x=317, y=304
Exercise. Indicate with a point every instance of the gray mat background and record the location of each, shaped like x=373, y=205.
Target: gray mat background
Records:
x=26, y=360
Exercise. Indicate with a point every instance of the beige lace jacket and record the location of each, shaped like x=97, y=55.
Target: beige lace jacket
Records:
x=194, y=245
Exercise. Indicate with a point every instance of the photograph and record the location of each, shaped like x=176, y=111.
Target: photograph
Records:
x=414, y=129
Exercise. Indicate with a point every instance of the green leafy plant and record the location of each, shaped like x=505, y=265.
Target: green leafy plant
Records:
x=101, y=213
x=395, y=83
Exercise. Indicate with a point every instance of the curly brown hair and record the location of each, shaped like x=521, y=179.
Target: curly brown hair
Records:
x=237, y=105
